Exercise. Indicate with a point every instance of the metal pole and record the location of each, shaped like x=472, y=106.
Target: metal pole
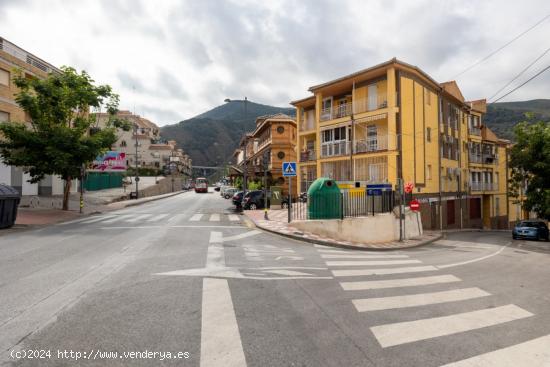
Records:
x=82, y=173
x=265, y=187
x=289, y=198
x=137, y=171
x=244, y=172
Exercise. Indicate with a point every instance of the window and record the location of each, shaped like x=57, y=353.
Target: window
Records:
x=4, y=77
x=123, y=143
x=280, y=129
x=429, y=172
x=281, y=155
x=429, y=134
x=428, y=96
x=497, y=206
x=4, y=116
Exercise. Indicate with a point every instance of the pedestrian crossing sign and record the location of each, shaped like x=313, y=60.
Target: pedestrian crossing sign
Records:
x=289, y=169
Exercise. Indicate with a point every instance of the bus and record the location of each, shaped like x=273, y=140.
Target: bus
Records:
x=201, y=184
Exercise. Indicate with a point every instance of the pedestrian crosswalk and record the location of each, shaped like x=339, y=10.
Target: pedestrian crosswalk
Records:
x=393, y=282
x=157, y=218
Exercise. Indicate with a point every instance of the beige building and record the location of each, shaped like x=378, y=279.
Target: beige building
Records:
x=13, y=57
x=152, y=150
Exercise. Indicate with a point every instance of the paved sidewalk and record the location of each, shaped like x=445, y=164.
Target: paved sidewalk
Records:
x=278, y=224
x=27, y=217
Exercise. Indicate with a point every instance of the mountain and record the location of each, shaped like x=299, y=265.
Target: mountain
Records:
x=502, y=117
x=211, y=137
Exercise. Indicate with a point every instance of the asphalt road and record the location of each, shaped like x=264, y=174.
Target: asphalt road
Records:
x=187, y=276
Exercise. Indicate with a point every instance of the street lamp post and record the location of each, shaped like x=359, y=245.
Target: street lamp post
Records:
x=136, y=158
x=228, y=100
x=265, y=161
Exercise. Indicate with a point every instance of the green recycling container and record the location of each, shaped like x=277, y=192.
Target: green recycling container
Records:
x=324, y=199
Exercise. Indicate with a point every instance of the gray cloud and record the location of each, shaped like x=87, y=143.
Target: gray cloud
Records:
x=184, y=57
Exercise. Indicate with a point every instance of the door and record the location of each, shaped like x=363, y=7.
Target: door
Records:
x=373, y=97
x=450, y=212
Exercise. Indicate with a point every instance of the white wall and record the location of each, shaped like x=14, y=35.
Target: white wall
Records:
x=5, y=174
x=27, y=187
x=379, y=228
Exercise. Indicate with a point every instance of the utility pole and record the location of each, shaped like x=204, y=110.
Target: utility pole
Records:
x=265, y=186
x=136, y=158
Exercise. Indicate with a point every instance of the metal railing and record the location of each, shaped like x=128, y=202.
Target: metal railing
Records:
x=372, y=144
x=22, y=55
x=473, y=130
x=474, y=158
x=335, y=149
x=483, y=186
x=340, y=205
x=371, y=103
x=490, y=158
x=308, y=155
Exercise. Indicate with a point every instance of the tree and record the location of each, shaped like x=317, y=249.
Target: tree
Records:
x=530, y=167
x=61, y=135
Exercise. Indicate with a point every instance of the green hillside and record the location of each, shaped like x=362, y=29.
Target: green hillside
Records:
x=211, y=137
x=502, y=117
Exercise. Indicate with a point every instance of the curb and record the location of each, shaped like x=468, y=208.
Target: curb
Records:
x=339, y=245
x=153, y=198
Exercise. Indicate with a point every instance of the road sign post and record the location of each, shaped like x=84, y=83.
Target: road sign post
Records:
x=289, y=170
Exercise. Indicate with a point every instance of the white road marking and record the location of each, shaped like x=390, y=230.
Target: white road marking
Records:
x=413, y=300
x=465, y=244
x=175, y=217
x=371, y=262
x=116, y=218
x=532, y=353
x=241, y=236
x=360, y=272
x=398, y=283
x=220, y=338
x=287, y=272
x=157, y=217
x=322, y=246
x=411, y=331
x=138, y=218
x=338, y=252
x=215, y=218
x=89, y=219
x=360, y=256
x=233, y=217
x=474, y=260
x=195, y=218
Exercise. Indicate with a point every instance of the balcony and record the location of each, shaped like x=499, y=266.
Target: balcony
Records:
x=334, y=149
x=372, y=103
x=307, y=122
x=490, y=159
x=24, y=56
x=474, y=130
x=372, y=144
x=308, y=155
x=474, y=158
x=483, y=186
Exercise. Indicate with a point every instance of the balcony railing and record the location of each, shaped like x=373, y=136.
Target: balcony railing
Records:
x=307, y=121
x=371, y=144
x=483, y=186
x=474, y=158
x=335, y=149
x=22, y=55
x=473, y=130
x=490, y=159
x=308, y=155
x=361, y=105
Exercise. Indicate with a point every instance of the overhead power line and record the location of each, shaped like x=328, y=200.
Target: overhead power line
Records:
x=502, y=47
x=522, y=84
x=520, y=73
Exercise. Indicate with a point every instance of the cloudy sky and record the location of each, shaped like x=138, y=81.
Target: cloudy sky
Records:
x=173, y=59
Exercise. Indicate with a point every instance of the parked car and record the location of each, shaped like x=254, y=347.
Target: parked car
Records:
x=223, y=190
x=229, y=192
x=238, y=199
x=532, y=229
x=255, y=200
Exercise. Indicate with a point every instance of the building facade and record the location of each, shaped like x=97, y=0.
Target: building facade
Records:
x=393, y=121
x=274, y=138
x=152, y=151
x=13, y=58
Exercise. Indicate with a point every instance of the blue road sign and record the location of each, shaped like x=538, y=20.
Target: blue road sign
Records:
x=377, y=189
x=289, y=169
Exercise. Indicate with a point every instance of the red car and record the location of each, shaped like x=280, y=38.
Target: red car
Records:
x=201, y=184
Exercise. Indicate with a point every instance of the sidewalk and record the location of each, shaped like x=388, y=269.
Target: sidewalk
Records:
x=278, y=224
x=27, y=217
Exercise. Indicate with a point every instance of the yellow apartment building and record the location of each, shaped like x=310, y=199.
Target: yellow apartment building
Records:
x=394, y=121
x=274, y=137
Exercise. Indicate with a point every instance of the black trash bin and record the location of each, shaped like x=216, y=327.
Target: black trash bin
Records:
x=9, y=201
